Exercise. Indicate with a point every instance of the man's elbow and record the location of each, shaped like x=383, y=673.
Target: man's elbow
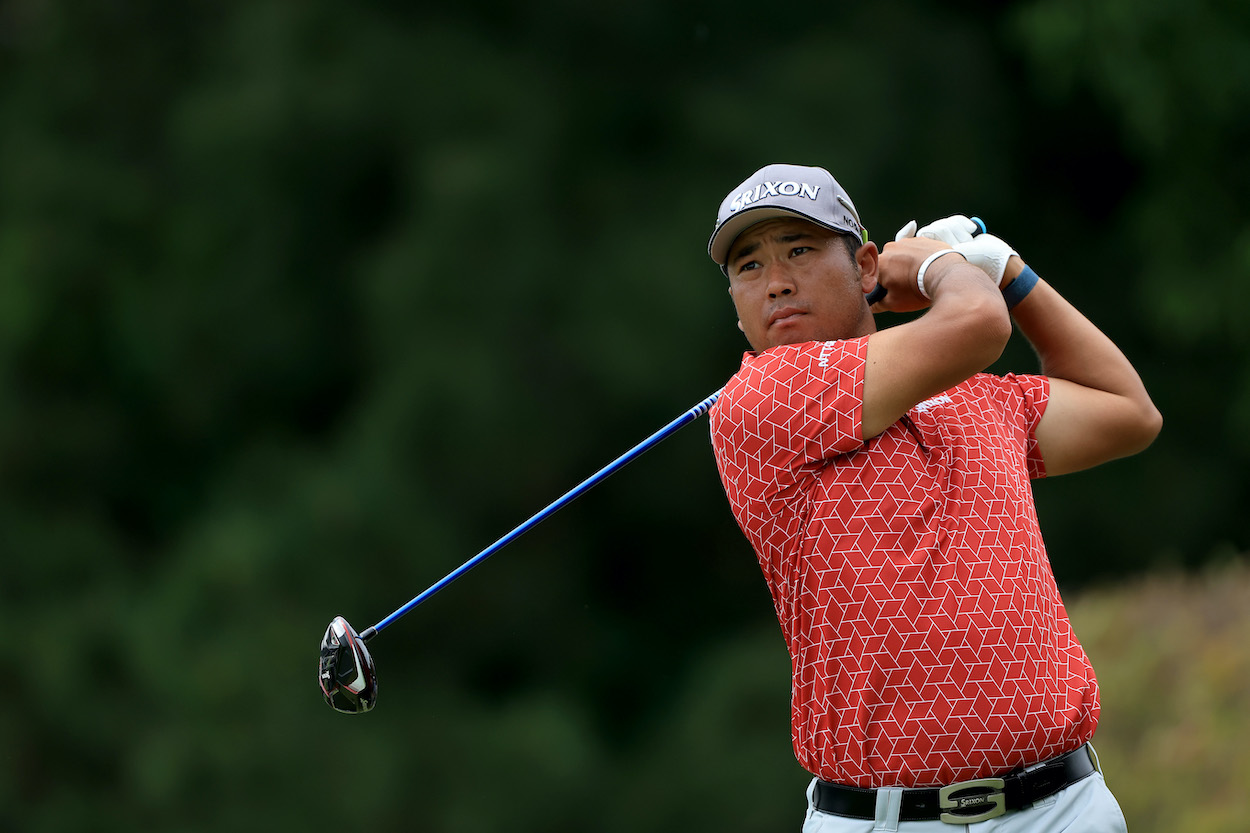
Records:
x=993, y=328
x=1138, y=425
x=1148, y=426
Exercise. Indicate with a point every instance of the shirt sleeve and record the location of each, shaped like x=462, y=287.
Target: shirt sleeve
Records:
x=791, y=406
x=1029, y=396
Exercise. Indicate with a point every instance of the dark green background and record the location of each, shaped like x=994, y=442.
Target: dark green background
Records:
x=303, y=304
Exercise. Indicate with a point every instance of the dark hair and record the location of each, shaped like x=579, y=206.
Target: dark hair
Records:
x=851, y=242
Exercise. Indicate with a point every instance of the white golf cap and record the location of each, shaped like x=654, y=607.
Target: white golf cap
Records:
x=783, y=191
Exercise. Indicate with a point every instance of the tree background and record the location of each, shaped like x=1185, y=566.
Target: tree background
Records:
x=302, y=304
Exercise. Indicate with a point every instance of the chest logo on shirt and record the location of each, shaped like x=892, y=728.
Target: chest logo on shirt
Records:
x=826, y=350
x=933, y=402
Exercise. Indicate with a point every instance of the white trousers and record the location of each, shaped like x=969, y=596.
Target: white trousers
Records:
x=1084, y=807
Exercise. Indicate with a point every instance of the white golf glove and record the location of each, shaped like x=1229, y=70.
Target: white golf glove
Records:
x=985, y=251
x=988, y=253
x=954, y=229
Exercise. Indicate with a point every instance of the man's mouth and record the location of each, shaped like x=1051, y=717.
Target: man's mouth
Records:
x=785, y=315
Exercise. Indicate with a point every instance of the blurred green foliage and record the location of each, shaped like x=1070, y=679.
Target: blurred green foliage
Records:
x=1176, y=695
x=303, y=304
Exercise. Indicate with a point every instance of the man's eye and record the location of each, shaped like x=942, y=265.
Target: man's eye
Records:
x=799, y=250
x=748, y=267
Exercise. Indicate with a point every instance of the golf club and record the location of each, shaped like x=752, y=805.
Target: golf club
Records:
x=345, y=671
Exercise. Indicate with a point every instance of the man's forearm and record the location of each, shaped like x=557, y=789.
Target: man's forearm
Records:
x=1099, y=409
x=1069, y=346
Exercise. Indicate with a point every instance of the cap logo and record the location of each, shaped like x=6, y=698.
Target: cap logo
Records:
x=773, y=189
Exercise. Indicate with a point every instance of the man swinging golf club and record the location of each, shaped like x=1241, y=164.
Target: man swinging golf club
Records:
x=882, y=479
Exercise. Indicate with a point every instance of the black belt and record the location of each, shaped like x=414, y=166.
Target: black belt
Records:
x=967, y=802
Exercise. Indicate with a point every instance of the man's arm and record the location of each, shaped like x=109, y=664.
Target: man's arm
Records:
x=1099, y=409
x=963, y=331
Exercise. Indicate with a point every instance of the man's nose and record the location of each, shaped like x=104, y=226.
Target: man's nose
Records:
x=780, y=281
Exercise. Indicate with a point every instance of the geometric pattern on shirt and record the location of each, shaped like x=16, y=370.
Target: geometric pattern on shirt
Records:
x=928, y=639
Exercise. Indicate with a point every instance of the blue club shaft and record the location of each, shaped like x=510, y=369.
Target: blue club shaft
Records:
x=567, y=498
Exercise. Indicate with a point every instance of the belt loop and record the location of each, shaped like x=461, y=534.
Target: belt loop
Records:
x=1093, y=757
x=811, y=804
x=889, y=804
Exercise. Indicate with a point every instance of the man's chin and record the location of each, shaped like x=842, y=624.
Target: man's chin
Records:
x=777, y=336
x=789, y=335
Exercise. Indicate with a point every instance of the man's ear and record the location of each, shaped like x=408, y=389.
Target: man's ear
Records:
x=730, y=290
x=866, y=258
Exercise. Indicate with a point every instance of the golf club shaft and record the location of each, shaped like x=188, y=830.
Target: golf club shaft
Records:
x=568, y=497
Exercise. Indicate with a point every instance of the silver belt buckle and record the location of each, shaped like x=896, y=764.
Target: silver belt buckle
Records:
x=991, y=793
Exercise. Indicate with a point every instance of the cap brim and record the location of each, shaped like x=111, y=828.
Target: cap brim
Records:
x=725, y=235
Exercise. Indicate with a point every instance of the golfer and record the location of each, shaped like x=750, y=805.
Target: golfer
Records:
x=883, y=480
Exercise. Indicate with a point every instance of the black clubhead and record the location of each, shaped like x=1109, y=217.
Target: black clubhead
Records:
x=345, y=672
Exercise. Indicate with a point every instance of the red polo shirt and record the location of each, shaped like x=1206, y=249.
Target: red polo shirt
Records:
x=928, y=639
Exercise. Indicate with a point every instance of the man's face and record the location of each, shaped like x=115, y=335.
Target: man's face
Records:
x=794, y=281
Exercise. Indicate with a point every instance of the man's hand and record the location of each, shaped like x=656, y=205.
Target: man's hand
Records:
x=962, y=332
x=991, y=255
x=898, y=265
x=985, y=251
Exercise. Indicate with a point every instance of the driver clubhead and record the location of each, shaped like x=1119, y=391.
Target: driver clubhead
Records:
x=345, y=672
